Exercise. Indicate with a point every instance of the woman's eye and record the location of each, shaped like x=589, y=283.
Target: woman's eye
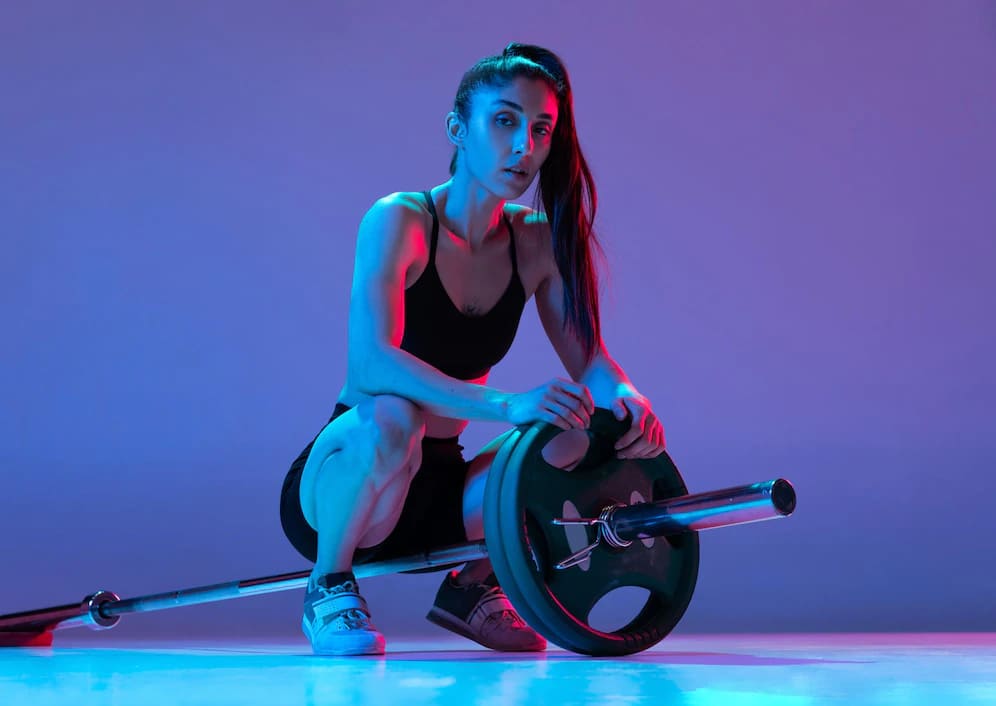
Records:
x=506, y=121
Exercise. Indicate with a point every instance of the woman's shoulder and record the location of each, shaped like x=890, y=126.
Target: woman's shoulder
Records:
x=532, y=223
x=533, y=242
x=532, y=229
x=399, y=204
x=393, y=228
x=397, y=215
x=407, y=211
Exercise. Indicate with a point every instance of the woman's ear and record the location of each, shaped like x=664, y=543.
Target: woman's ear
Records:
x=455, y=129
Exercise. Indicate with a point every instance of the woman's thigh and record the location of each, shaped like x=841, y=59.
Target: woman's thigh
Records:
x=378, y=434
x=563, y=451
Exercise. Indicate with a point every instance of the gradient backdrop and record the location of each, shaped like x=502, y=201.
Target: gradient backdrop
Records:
x=798, y=201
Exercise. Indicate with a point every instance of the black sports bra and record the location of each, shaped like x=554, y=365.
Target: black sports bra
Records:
x=436, y=331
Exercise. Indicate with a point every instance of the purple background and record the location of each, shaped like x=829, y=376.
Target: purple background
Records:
x=798, y=201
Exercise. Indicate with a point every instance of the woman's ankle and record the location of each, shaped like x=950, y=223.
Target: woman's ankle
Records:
x=332, y=577
x=473, y=572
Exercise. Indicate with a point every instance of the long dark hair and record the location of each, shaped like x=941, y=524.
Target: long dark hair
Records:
x=565, y=190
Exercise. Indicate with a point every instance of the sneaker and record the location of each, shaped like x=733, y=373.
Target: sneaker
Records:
x=337, y=619
x=483, y=613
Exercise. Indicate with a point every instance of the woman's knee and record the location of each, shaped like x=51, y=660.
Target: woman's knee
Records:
x=388, y=434
x=368, y=451
x=395, y=421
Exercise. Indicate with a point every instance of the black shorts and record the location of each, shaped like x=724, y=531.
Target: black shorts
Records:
x=432, y=516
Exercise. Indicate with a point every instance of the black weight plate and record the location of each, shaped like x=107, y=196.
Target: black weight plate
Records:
x=524, y=494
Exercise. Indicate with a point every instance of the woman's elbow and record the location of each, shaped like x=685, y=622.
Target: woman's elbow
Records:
x=365, y=368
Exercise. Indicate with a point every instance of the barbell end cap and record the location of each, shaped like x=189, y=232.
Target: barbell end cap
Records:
x=783, y=497
x=93, y=617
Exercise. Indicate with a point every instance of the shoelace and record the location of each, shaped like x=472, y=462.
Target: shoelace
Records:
x=354, y=618
x=506, y=617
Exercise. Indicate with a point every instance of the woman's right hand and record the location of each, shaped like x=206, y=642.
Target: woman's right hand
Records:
x=563, y=403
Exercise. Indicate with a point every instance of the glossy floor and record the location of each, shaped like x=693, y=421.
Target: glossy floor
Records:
x=773, y=670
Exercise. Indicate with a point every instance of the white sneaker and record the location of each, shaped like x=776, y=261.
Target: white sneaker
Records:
x=337, y=620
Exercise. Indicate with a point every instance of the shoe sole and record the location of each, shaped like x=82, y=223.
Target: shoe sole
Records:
x=450, y=622
x=364, y=648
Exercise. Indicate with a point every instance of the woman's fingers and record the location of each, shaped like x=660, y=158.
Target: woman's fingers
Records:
x=554, y=419
x=634, y=442
x=632, y=436
x=635, y=450
x=579, y=392
x=647, y=445
x=576, y=407
x=577, y=398
x=564, y=408
x=660, y=443
x=568, y=405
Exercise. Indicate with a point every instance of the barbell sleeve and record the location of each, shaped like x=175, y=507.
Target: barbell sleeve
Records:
x=718, y=508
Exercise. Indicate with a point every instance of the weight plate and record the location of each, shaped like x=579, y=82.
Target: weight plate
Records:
x=522, y=497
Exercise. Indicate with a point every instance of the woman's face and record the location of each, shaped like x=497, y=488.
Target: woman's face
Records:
x=510, y=130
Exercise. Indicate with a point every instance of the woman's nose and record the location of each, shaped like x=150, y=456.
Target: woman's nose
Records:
x=523, y=147
x=523, y=143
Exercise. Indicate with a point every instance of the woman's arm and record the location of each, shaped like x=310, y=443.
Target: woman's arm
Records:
x=603, y=376
x=608, y=383
x=387, y=244
x=389, y=240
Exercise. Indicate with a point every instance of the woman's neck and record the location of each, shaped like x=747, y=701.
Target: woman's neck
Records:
x=469, y=211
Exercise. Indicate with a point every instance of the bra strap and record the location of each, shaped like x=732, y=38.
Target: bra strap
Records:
x=435, y=226
x=511, y=245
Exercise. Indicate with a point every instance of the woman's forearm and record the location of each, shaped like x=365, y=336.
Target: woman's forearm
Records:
x=606, y=380
x=392, y=371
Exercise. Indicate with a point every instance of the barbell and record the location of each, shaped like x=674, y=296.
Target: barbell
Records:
x=559, y=540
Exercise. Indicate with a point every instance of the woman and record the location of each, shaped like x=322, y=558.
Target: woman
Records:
x=440, y=282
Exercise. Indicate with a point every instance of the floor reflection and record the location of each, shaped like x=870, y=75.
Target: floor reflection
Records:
x=698, y=671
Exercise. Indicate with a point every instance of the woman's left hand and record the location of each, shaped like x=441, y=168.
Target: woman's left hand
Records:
x=645, y=438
